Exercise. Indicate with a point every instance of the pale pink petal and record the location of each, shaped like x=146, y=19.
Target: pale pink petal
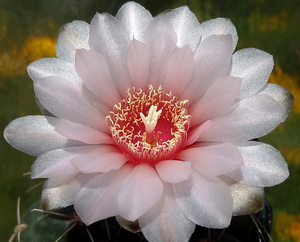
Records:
x=65, y=101
x=179, y=70
x=97, y=103
x=212, y=59
x=98, y=197
x=59, y=162
x=263, y=165
x=219, y=26
x=53, y=67
x=165, y=220
x=136, y=196
x=249, y=119
x=281, y=95
x=106, y=158
x=173, y=171
x=246, y=199
x=138, y=63
x=42, y=109
x=186, y=26
x=60, y=192
x=92, y=68
x=56, y=163
x=195, y=132
x=35, y=135
x=72, y=36
x=214, y=159
x=254, y=67
x=109, y=36
x=205, y=200
x=220, y=96
x=82, y=133
x=136, y=19
x=161, y=40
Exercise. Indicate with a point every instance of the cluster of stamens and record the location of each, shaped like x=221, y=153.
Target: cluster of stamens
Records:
x=144, y=134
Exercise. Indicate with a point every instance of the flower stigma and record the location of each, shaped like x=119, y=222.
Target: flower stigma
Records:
x=150, y=122
x=144, y=134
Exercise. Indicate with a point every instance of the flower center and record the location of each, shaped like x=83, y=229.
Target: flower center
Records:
x=144, y=134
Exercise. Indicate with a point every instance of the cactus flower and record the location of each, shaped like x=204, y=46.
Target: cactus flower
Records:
x=154, y=120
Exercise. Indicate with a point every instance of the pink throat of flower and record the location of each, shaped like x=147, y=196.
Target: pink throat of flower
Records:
x=149, y=126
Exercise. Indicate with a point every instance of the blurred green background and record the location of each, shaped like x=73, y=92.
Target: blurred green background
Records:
x=28, y=31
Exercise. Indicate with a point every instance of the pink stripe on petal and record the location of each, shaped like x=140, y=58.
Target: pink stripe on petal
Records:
x=138, y=63
x=205, y=200
x=98, y=198
x=139, y=192
x=109, y=36
x=212, y=59
x=220, y=96
x=173, y=171
x=101, y=162
x=195, y=132
x=161, y=40
x=179, y=70
x=82, y=133
x=65, y=101
x=214, y=160
x=92, y=68
x=248, y=119
x=97, y=103
x=165, y=220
